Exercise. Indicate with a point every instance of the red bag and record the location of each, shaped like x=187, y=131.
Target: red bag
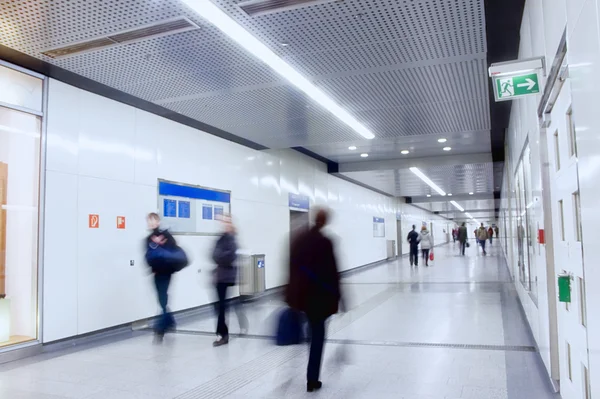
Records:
x=431, y=256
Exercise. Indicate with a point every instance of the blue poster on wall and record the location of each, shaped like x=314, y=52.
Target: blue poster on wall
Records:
x=298, y=202
x=184, y=209
x=170, y=208
x=207, y=212
x=218, y=212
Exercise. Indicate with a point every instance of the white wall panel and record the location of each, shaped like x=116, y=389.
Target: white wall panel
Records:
x=63, y=128
x=106, y=138
x=60, y=261
x=584, y=67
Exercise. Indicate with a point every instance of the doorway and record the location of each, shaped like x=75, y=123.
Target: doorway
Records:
x=399, y=236
x=299, y=222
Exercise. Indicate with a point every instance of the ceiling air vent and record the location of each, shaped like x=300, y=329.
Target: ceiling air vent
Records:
x=261, y=7
x=160, y=28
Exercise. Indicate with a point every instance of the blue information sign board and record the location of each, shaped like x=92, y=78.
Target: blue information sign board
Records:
x=218, y=212
x=378, y=220
x=298, y=201
x=170, y=208
x=184, y=209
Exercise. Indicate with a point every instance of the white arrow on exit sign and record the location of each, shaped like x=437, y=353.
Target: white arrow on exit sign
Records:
x=530, y=84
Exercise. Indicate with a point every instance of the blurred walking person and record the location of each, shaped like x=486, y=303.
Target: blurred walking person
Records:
x=491, y=234
x=314, y=288
x=413, y=240
x=482, y=236
x=162, y=271
x=426, y=241
x=462, y=238
x=225, y=276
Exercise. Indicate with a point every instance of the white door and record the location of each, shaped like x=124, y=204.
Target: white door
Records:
x=564, y=188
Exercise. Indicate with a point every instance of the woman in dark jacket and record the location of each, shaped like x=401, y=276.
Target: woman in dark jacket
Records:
x=224, y=255
x=314, y=288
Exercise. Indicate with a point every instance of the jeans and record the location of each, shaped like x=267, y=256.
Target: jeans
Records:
x=317, y=328
x=414, y=256
x=166, y=320
x=482, y=243
x=490, y=240
x=425, y=256
x=463, y=245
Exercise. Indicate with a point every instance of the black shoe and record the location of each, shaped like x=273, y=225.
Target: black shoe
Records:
x=221, y=342
x=312, y=386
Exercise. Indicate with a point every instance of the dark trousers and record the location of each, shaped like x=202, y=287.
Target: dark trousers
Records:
x=463, y=245
x=166, y=320
x=414, y=256
x=490, y=240
x=221, y=308
x=425, y=253
x=317, y=341
x=222, y=329
x=482, y=242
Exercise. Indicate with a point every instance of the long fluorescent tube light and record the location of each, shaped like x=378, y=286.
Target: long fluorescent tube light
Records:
x=460, y=208
x=427, y=181
x=214, y=15
x=468, y=215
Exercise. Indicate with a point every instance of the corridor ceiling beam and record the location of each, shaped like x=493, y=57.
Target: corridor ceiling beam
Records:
x=455, y=197
x=422, y=163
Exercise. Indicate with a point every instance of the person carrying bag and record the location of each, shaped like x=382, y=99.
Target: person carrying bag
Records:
x=164, y=258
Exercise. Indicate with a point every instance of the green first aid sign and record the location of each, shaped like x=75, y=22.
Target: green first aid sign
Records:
x=509, y=87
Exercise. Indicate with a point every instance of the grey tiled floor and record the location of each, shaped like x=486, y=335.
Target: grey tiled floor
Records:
x=453, y=330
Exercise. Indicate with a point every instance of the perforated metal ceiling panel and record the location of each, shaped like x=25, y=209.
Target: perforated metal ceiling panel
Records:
x=409, y=70
x=455, y=179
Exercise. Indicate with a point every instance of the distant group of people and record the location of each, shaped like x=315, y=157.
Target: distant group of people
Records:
x=481, y=235
x=424, y=239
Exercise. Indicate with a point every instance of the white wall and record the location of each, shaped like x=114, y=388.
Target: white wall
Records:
x=104, y=157
x=541, y=30
x=542, y=27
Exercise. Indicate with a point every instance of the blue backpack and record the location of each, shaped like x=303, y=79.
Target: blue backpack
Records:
x=290, y=328
x=163, y=260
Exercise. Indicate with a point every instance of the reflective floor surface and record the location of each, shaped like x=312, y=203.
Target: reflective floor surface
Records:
x=448, y=331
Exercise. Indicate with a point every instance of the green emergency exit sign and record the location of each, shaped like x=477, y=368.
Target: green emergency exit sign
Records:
x=514, y=86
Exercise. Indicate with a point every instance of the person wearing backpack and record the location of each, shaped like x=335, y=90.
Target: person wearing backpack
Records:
x=162, y=271
x=482, y=236
x=225, y=276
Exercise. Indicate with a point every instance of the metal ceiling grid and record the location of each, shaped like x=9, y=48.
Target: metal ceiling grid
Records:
x=455, y=179
x=419, y=146
x=404, y=68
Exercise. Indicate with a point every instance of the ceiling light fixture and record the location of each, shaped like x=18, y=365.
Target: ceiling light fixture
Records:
x=449, y=195
x=470, y=193
x=447, y=148
x=428, y=195
x=460, y=208
x=404, y=152
x=352, y=148
x=427, y=181
x=217, y=17
x=364, y=155
x=468, y=215
x=442, y=140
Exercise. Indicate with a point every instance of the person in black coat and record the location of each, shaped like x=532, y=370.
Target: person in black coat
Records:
x=162, y=275
x=413, y=240
x=225, y=276
x=314, y=288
